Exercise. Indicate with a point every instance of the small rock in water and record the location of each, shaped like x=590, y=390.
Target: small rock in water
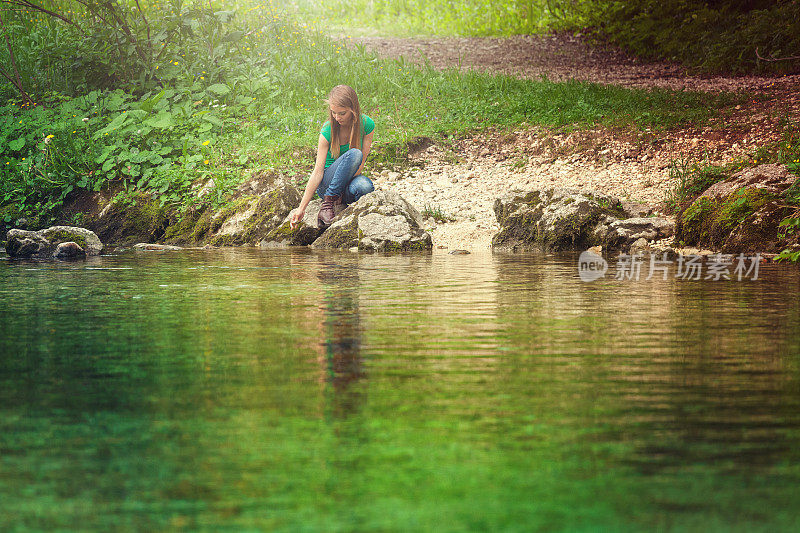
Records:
x=148, y=247
x=640, y=245
x=68, y=250
x=460, y=252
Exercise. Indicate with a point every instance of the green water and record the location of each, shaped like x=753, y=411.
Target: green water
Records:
x=247, y=390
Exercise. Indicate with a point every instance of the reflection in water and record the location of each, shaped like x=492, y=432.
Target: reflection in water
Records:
x=289, y=390
x=341, y=331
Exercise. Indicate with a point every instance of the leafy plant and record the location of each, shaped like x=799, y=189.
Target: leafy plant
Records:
x=436, y=214
x=691, y=180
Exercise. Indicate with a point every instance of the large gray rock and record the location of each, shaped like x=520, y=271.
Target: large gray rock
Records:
x=44, y=243
x=621, y=233
x=379, y=221
x=553, y=219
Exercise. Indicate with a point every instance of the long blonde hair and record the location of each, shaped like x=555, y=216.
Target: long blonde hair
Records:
x=344, y=96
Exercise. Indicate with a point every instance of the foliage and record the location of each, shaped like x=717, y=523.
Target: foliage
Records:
x=156, y=142
x=136, y=46
x=712, y=36
x=453, y=17
x=789, y=153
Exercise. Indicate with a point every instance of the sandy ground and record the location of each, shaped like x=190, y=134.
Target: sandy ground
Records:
x=462, y=181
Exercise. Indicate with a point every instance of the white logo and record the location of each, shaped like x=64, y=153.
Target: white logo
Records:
x=591, y=266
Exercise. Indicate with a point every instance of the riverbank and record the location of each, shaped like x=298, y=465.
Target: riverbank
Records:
x=456, y=182
x=452, y=146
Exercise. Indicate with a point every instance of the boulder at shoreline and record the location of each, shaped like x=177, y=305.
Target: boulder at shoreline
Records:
x=379, y=221
x=43, y=244
x=305, y=232
x=742, y=214
x=553, y=219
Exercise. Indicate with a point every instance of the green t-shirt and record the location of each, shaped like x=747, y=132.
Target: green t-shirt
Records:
x=367, y=125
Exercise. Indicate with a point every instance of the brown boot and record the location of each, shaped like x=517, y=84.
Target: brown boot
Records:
x=327, y=212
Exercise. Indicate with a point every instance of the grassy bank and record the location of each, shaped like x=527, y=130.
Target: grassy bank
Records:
x=256, y=102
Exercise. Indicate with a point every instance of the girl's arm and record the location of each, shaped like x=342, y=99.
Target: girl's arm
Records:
x=313, y=181
x=366, y=145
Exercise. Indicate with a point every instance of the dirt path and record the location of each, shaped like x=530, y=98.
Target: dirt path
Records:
x=561, y=57
x=462, y=182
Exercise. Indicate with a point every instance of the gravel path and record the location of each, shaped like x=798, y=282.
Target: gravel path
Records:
x=462, y=182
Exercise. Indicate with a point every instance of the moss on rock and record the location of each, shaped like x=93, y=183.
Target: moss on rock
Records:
x=181, y=230
x=140, y=218
x=552, y=219
x=708, y=222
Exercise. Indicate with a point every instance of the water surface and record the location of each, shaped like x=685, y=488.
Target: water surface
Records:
x=305, y=391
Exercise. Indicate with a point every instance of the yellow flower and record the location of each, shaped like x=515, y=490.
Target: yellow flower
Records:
x=206, y=143
x=175, y=63
x=205, y=162
x=50, y=136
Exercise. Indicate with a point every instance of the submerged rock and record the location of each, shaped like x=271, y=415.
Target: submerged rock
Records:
x=378, y=221
x=24, y=243
x=69, y=250
x=44, y=243
x=149, y=247
x=553, y=219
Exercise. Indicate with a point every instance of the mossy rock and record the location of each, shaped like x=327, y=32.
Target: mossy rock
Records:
x=709, y=222
x=760, y=231
x=553, y=219
x=140, y=218
x=42, y=244
x=251, y=220
x=304, y=233
x=187, y=228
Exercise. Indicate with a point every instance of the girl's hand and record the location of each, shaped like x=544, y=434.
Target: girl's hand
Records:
x=298, y=215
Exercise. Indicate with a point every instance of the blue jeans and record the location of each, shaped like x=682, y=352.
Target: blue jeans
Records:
x=339, y=179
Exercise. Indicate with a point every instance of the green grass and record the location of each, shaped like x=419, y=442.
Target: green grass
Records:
x=436, y=214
